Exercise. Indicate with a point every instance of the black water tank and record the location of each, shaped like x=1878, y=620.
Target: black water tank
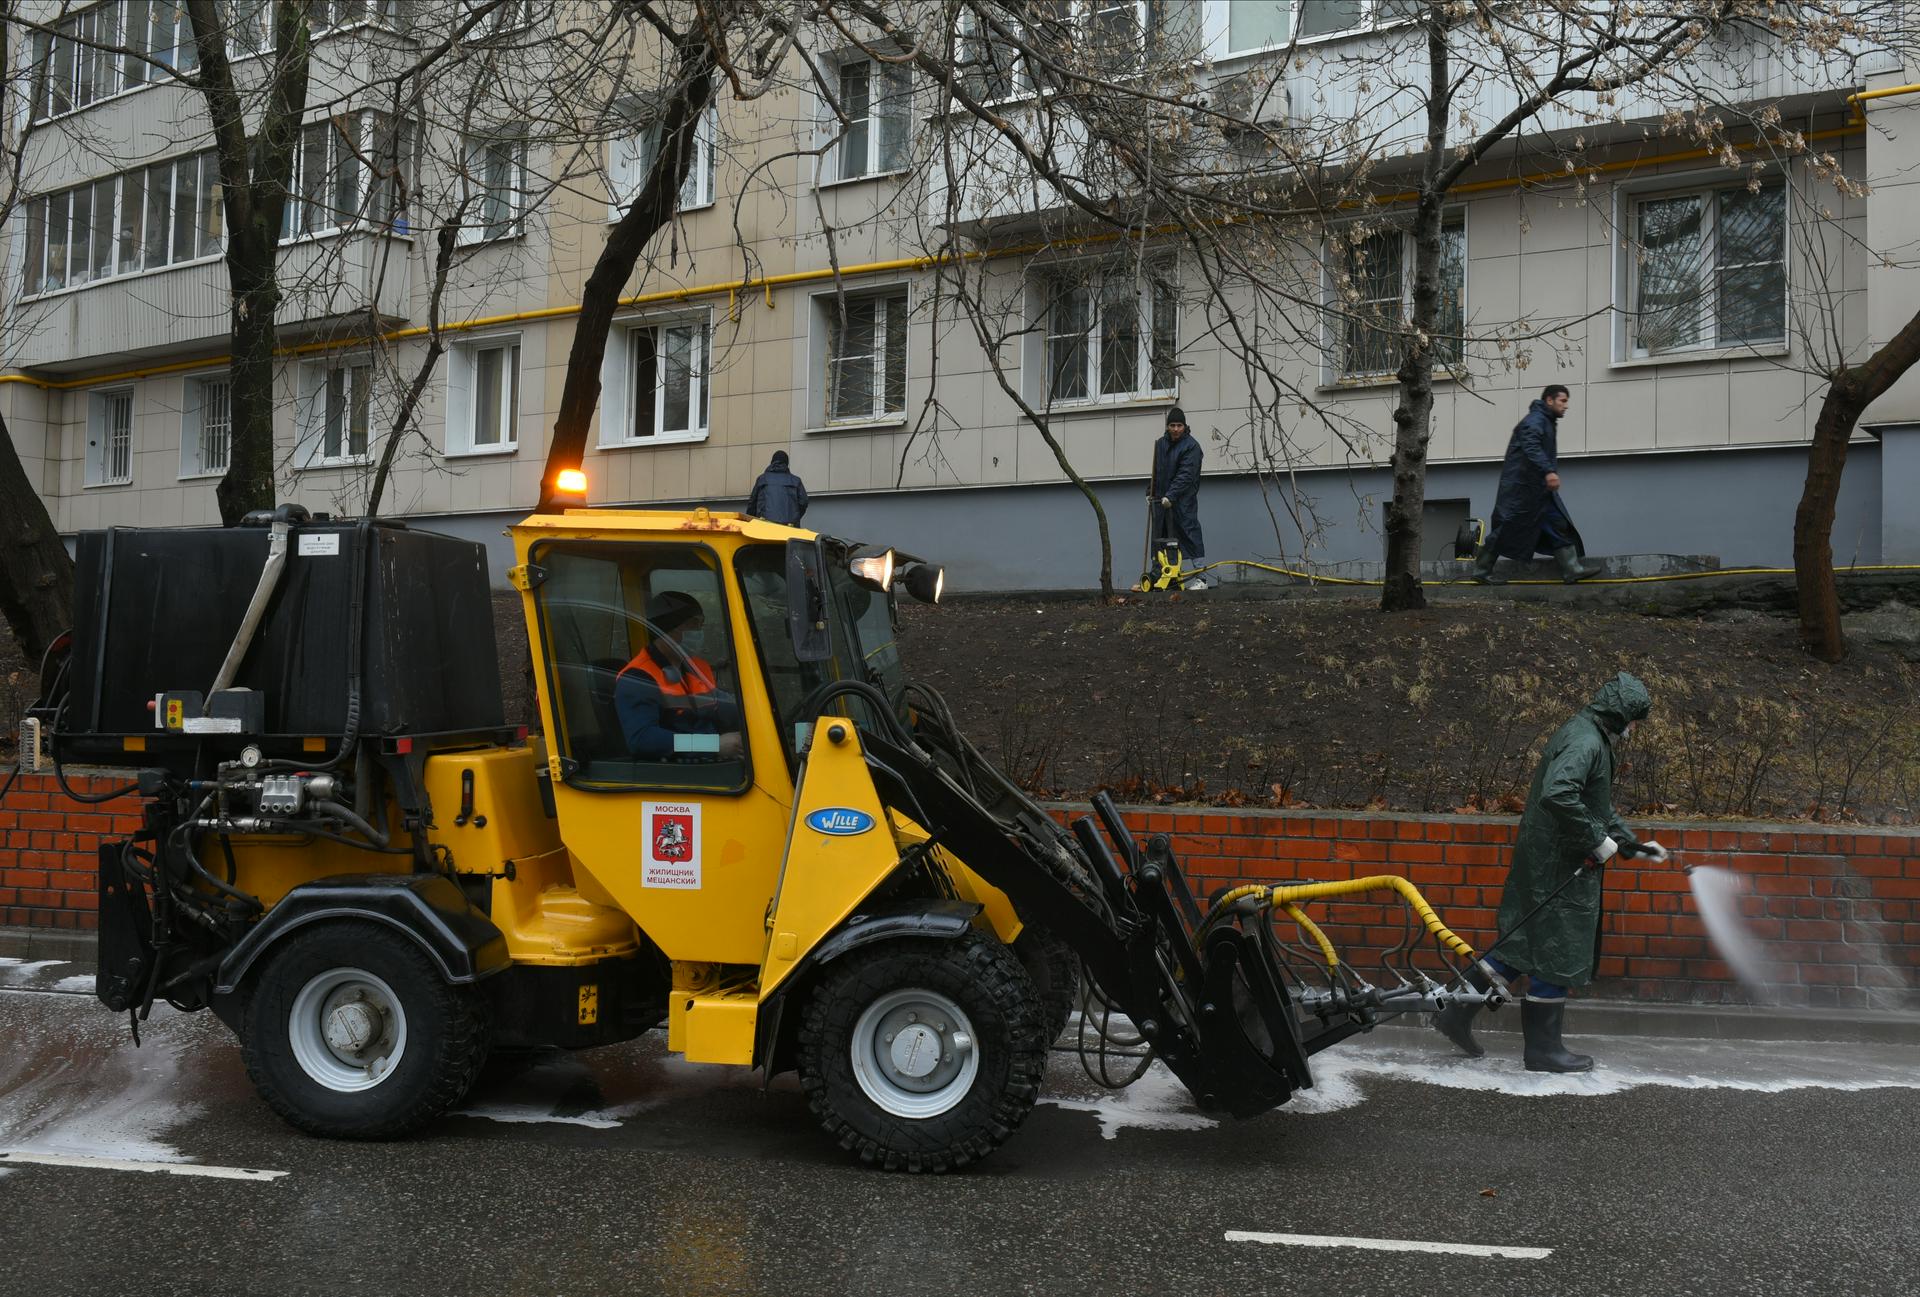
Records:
x=157, y=610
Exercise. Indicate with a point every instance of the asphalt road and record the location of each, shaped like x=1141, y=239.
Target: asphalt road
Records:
x=1680, y=1168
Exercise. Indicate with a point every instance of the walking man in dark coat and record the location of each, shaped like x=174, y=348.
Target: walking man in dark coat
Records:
x=1175, y=491
x=778, y=495
x=1567, y=835
x=1528, y=515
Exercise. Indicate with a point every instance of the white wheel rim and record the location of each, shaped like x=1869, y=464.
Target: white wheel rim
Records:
x=347, y=1029
x=914, y=1053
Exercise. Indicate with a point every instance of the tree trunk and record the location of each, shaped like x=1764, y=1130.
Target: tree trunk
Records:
x=255, y=170
x=1848, y=396
x=580, y=392
x=36, y=576
x=1413, y=419
x=1813, y=521
x=248, y=484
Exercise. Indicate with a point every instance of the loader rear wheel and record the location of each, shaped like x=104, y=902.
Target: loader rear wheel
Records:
x=923, y=1055
x=351, y=1032
x=1055, y=971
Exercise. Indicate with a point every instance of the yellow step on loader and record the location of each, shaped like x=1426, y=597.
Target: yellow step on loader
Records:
x=741, y=821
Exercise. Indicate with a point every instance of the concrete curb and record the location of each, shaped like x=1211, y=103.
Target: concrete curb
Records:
x=49, y=943
x=1585, y=1017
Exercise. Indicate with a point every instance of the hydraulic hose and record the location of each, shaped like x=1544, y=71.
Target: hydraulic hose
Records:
x=1312, y=929
x=1281, y=897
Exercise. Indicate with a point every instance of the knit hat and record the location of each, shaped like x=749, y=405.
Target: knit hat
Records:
x=672, y=608
x=1176, y=415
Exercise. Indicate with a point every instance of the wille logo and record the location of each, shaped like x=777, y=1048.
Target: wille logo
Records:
x=841, y=821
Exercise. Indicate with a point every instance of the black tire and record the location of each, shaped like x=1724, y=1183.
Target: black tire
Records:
x=446, y=1033
x=985, y=981
x=1055, y=972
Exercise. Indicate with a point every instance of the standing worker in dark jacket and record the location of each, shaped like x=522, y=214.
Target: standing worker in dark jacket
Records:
x=1175, y=491
x=1528, y=514
x=1567, y=835
x=778, y=495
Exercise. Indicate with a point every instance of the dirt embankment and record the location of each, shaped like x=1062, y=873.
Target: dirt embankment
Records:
x=1331, y=703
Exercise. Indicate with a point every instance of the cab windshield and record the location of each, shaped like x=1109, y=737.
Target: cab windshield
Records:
x=861, y=628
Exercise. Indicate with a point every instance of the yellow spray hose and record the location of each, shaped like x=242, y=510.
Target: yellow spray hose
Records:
x=1314, y=579
x=1312, y=929
x=1284, y=897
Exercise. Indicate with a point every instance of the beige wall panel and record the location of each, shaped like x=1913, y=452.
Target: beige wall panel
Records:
x=1691, y=407
x=1615, y=416
x=849, y=462
x=1767, y=405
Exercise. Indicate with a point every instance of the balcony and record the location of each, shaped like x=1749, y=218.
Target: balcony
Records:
x=185, y=310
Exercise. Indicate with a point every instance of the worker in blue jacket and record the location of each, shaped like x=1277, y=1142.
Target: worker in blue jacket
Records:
x=1175, y=493
x=778, y=494
x=1528, y=514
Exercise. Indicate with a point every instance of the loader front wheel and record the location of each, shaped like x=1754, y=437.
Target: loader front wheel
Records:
x=351, y=1032
x=1055, y=971
x=923, y=1055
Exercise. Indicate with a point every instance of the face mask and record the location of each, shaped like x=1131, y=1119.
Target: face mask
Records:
x=693, y=641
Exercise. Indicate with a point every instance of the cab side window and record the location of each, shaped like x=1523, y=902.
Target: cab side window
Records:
x=640, y=662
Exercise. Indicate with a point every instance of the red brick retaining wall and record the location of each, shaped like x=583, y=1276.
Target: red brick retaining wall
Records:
x=1839, y=909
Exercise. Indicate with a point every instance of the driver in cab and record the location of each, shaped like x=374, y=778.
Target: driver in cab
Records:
x=668, y=698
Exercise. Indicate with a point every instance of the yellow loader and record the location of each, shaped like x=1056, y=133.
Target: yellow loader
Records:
x=741, y=821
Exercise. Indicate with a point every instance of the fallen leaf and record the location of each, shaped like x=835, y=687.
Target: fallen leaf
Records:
x=1489, y=1193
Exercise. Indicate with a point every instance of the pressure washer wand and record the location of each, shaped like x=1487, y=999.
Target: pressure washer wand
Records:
x=1554, y=895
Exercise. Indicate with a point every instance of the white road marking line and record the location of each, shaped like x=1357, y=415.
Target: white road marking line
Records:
x=1392, y=1244
x=123, y=1164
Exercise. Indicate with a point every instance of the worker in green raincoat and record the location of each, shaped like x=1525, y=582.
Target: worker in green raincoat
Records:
x=1569, y=831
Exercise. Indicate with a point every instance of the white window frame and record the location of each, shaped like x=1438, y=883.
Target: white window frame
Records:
x=195, y=427
x=314, y=214
x=896, y=302
x=621, y=396
x=109, y=457
x=474, y=228
x=465, y=400
x=1045, y=290
x=1629, y=198
x=511, y=16
x=1376, y=15
x=1335, y=372
x=836, y=134
x=630, y=159
x=314, y=408
x=356, y=13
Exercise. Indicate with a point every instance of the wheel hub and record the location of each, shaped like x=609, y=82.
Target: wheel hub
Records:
x=916, y=1051
x=351, y=1028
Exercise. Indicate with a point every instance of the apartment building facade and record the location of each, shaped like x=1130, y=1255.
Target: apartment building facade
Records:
x=793, y=313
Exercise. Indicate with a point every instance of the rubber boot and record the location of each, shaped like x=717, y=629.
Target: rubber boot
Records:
x=1483, y=560
x=1495, y=574
x=1455, y=1022
x=1572, y=566
x=1540, y=1022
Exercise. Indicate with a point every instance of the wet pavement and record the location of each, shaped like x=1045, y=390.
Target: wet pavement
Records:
x=1680, y=1167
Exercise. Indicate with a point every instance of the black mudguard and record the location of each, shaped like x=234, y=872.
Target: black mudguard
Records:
x=429, y=908
x=881, y=921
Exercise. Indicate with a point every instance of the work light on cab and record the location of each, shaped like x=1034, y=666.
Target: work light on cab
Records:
x=925, y=581
x=571, y=482
x=874, y=570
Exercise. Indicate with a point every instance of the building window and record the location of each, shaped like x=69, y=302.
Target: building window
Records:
x=109, y=438
x=869, y=132
x=483, y=397
x=335, y=413
x=206, y=433
x=504, y=17
x=667, y=379
x=332, y=15
x=1110, y=333
x=347, y=167
x=494, y=188
x=630, y=162
x=866, y=353
x=1374, y=300
x=1708, y=269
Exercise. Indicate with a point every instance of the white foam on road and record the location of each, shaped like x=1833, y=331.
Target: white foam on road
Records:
x=16, y=972
x=81, y=984
x=18, y=1156
x=83, y=1090
x=1158, y=1101
x=1507, y=1251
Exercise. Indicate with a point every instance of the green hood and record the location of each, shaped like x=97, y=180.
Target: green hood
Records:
x=1621, y=701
